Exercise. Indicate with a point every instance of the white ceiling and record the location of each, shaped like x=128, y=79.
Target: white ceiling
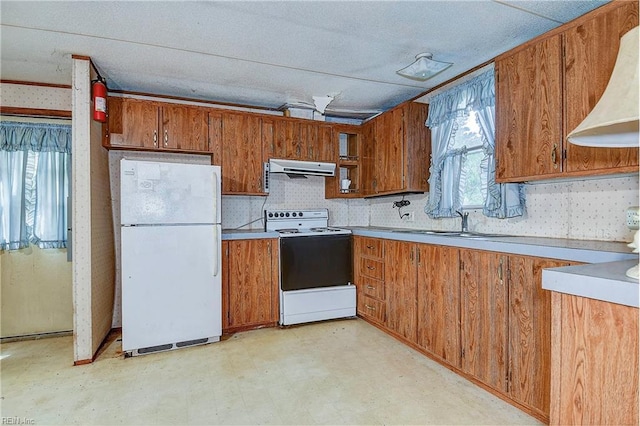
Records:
x=268, y=53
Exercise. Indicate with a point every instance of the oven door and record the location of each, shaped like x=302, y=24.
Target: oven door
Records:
x=315, y=261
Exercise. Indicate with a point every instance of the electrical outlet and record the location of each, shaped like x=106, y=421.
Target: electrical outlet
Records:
x=633, y=217
x=409, y=217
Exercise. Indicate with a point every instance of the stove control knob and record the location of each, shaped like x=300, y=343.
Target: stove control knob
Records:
x=300, y=214
x=294, y=214
x=281, y=214
x=287, y=214
x=270, y=214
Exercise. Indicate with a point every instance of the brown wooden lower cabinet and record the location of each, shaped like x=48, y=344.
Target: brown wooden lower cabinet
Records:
x=439, y=302
x=483, y=314
x=368, y=266
x=595, y=362
x=400, y=282
x=506, y=322
x=530, y=333
x=249, y=284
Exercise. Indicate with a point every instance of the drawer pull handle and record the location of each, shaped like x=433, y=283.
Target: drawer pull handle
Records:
x=370, y=247
x=370, y=287
x=370, y=307
x=371, y=268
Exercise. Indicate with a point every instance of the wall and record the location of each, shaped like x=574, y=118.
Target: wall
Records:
x=593, y=209
x=286, y=193
x=36, y=97
x=93, y=246
x=36, y=292
x=35, y=284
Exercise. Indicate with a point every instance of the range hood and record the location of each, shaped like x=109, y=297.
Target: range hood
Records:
x=295, y=168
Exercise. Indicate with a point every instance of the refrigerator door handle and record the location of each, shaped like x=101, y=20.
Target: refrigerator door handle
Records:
x=216, y=197
x=216, y=263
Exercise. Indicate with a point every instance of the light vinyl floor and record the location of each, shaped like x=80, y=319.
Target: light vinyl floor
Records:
x=336, y=372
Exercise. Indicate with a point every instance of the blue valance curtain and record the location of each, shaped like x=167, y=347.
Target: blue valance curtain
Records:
x=476, y=94
x=34, y=184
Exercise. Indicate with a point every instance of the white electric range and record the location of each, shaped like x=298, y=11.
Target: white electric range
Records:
x=315, y=266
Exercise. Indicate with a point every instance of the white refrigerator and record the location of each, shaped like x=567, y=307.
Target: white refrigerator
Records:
x=171, y=262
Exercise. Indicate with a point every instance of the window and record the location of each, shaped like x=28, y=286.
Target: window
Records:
x=34, y=184
x=462, y=170
x=472, y=193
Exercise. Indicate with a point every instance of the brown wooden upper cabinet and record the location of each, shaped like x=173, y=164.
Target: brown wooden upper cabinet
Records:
x=135, y=123
x=298, y=139
x=590, y=54
x=346, y=144
x=535, y=110
x=401, y=148
x=241, y=153
x=529, y=111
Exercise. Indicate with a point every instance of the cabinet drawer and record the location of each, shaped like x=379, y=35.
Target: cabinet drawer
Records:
x=372, y=309
x=371, y=247
x=372, y=287
x=371, y=268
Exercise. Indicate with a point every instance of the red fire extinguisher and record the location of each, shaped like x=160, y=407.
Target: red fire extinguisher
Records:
x=99, y=89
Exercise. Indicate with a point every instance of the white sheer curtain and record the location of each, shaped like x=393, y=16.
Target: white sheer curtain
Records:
x=444, y=172
x=13, y=221
x=502, y=200
x=477, y=94
x=34, y=184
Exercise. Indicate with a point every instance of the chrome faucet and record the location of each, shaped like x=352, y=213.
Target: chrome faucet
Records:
x=465, y=221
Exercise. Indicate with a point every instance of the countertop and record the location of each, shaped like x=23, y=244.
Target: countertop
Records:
x=601, y=281
x=247, y=234
x=584, y=251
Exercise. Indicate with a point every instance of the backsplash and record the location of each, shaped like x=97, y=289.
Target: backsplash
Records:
x=592, y=209
x=286, y=193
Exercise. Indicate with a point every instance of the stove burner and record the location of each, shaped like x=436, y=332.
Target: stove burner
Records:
x=325, y=230
x=288, y=231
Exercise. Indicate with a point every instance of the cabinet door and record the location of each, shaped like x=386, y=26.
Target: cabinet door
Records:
x=439, y=302
x=483, y=315
x=417, y=147
x=215, y=137
x=133, y=123
x=400, y=285
x=309, y=141
x=250, y=291
x=368, y=158
x=268, y=138
x=529, y=136
x=287, y=139
x=241, y=154
x=389, y=146
x=530, y=332
x=591, y=50
x=595, y=353
x=326, y=145
x=184, y=128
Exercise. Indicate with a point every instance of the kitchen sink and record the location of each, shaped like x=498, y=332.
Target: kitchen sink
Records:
x=425, y=231
x=466, y=234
